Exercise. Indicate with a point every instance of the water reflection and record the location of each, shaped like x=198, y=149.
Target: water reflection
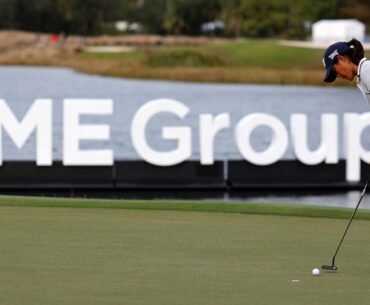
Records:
x=345, y=199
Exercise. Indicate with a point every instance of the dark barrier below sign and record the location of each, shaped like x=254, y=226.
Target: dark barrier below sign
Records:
x=27, y=175
x=291, y=174
x=190, y=175
x=126, y=175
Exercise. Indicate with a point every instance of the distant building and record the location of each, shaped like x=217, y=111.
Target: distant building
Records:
x=125, y=26
x=213, y=26
x=122, y=26
x=329, y=31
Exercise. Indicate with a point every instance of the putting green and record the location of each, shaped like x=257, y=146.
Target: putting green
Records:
x=58, y=255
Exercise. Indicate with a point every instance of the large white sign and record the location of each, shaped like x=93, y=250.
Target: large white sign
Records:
x=39, y=118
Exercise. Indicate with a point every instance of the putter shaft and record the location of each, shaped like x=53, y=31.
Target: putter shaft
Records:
x=332, y=266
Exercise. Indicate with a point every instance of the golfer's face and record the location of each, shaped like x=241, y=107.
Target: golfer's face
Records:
x=343, y=68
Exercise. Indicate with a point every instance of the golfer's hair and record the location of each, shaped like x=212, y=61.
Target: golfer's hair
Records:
x=356, y=51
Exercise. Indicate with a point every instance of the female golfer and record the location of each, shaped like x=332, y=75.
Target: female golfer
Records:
x=346, y=60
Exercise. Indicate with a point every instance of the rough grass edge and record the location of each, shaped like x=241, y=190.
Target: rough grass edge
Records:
x=298, y=210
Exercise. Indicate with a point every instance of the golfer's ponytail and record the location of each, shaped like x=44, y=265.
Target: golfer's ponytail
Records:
x=356, y=51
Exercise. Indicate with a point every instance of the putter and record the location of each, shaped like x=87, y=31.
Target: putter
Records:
x=333, y=267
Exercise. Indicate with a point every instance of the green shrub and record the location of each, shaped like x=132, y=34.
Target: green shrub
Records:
x=183, y=58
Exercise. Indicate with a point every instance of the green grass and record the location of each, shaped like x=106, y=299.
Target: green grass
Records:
x=103, y=252
x=249, y=53
x=186, y=206
x=268, y=53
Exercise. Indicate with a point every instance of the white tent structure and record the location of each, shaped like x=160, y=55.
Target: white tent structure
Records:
x=329, y=31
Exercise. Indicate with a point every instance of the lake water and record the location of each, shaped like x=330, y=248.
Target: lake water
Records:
x=20, y=86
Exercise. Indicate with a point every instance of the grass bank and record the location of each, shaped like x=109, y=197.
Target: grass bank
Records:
x=223, y=61
x=186, y=206
x=248, y=61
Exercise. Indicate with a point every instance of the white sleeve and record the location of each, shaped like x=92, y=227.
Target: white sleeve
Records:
x=365, y=75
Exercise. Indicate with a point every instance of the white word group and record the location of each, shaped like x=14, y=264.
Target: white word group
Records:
x=39, y=119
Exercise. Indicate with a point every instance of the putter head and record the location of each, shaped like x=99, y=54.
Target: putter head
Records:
x=329, y=267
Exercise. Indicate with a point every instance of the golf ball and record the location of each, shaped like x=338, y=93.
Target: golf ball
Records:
x=316, y=272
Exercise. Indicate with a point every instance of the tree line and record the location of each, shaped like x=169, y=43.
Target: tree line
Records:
x=250, y=18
